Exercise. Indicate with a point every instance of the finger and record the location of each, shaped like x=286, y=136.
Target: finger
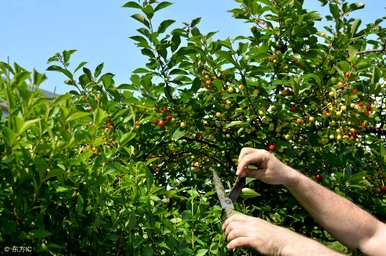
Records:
x=245, y=151
x=235, y=217
x=259, y=174
x=235, y=233
x=255, y=173
x=258, y=158
x=231, y=226
x=239, y=242
x=234, y=223
x=227, y=223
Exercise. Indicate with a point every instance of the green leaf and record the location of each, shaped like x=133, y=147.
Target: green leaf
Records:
x=164, y=25
x=20, y=78
x=140, y=18
x=375, y=75
x=107, y=79
x=259, y=52
x=126, y=138
x=28, y=124
x=149, y=11
x=61, y=189
x=88, y=73
x=99, y=116
x=132, y=4
x=98, y=70
x=126, y=87
x=354, y=27
x=39, y=233
x=314, y=77
x=175, y=43
x=162, y=5
x=249, y=193
x=61, y=70
x=10, y=136
x=54, y=58
x=314, y=15
x=149, y=161
x=195, y=22
x=19, y=122
x=81, y=65
x=147, y=251
x=217, y=84
x=234, y=123
x=202, y=252
x=344, y=66
x=178, y=134
x=148, y=53
x=356, y=6
x=334, y=10
x=141, y=70
x=67, y=55
x=178, y=71
x=141, y=41
x=196, y=85
x=38, y=78
x=77, y=115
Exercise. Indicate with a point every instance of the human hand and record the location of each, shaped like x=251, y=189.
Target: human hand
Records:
x=245, y=231
x=269, y=169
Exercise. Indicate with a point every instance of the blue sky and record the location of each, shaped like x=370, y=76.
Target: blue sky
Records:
x=33, y=30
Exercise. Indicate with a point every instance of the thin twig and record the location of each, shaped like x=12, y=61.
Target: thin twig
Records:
x=372, y=51
x=383, y=49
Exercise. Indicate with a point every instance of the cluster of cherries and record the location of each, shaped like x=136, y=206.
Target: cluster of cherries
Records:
x=167, y=118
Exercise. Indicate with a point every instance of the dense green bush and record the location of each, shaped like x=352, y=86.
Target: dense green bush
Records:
x=71, y=183
x=125, y=169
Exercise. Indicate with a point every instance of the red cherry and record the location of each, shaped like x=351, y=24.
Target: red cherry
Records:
x=367, y=113
x=318, y=178
x=168, y=118
x=354, y=91
x=383, y=189
x=161, y=123
x=347, y=75
x=360, y=105
x=293, y=109
x=164, y=110
x=271, y=147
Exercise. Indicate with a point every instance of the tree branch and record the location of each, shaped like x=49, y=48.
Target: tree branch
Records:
x=383, y=49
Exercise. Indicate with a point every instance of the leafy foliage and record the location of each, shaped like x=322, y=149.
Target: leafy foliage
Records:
x=125, y=169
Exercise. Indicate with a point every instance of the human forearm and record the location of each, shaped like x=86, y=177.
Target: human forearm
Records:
x=347, y=222
x=344, y=220
x=300, y=245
